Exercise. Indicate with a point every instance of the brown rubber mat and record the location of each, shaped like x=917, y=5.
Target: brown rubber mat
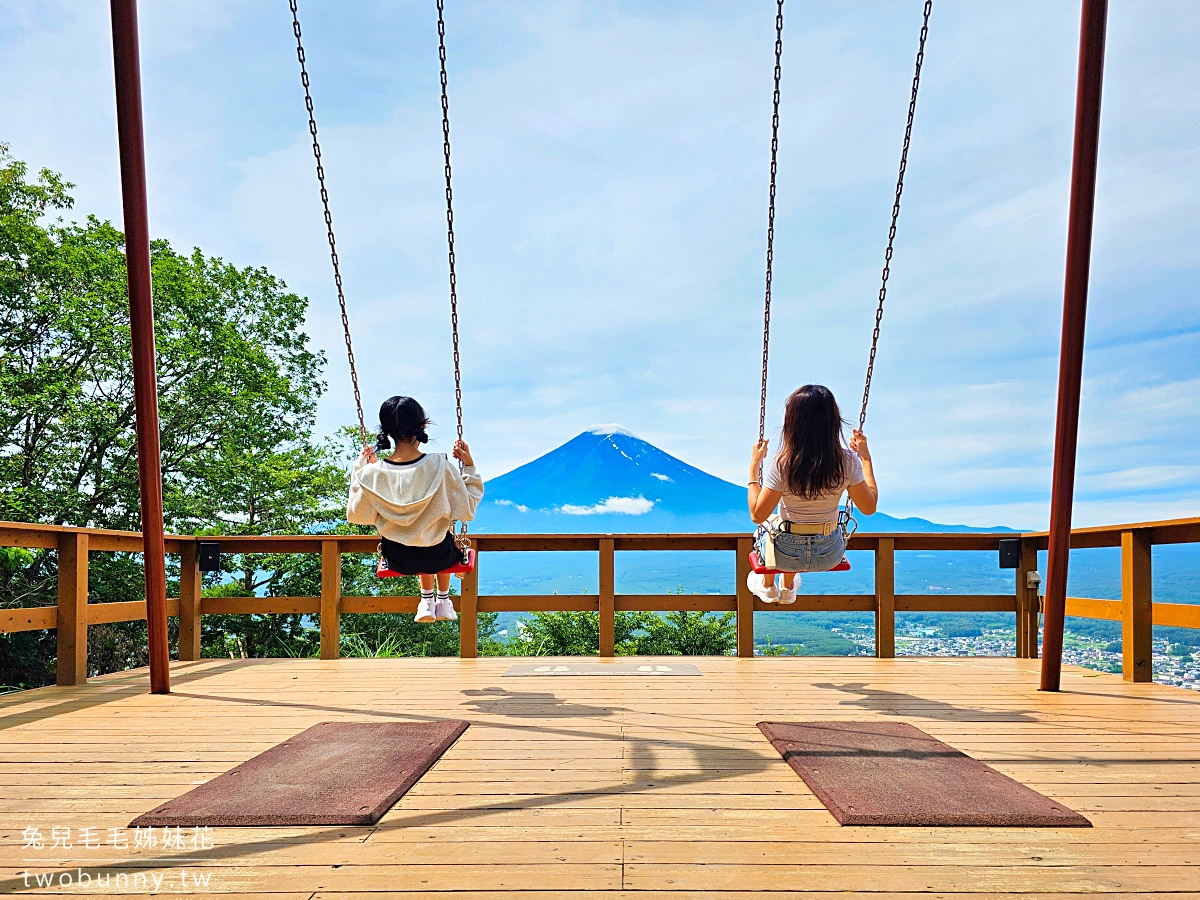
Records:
x=335, y=773
x=890, y=773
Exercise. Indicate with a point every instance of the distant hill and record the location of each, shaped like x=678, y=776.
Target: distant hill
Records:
x=607, y=479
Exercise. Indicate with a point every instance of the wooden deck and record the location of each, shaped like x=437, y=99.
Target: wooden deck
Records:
x=612, y=786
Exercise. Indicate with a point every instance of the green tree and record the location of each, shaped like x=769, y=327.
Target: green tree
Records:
x=678, y=633
x=238, y=387
x=570, y=633
x=683, y=633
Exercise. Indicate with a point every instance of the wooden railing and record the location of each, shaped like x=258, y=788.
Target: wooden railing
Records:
x=1136, y=610
x=72, y=614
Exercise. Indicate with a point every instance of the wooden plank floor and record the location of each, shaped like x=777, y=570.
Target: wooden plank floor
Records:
x=618, y=787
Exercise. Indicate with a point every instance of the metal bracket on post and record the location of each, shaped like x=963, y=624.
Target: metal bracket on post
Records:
x=209, y=556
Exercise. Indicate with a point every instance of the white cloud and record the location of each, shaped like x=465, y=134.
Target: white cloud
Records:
x=610, y=167
x=661, y=477
x=628, y=506
x=519, y=507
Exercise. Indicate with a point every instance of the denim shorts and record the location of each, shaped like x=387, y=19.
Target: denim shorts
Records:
x=805, y=552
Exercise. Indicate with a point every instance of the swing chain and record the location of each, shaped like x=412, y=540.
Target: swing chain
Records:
x=333, y=254
x=887, y=256
x=460, y=536
x=450, y=215
x=762, y=401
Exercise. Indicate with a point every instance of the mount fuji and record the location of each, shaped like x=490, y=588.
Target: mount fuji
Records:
x=608, y=480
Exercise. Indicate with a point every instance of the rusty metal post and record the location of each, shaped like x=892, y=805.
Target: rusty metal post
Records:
x=141, y=322
x=1070, y=366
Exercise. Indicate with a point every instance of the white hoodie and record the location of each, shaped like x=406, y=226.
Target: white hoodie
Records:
x=413, y=503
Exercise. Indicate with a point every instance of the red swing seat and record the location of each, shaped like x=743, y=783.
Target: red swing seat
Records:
x=756, y=566
x=459, y=568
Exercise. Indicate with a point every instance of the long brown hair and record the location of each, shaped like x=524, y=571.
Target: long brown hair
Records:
x=812, y=452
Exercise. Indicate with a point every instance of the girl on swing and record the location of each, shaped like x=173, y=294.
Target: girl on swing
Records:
x=806, y=479
x=412, y=499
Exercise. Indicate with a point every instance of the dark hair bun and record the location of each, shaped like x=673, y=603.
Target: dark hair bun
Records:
x=401, y=419
x=383, y=442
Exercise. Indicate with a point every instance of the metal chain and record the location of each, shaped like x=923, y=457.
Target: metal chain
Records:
x=887, y=257
x=333, y=255
x=460, y=537
x=846, y=518
x=762, y=400
x=450, y=217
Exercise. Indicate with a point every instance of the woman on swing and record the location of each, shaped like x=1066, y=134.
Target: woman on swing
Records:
x=806, y=479
x=412, y=499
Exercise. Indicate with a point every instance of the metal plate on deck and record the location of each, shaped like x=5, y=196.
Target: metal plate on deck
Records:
x=598, y=668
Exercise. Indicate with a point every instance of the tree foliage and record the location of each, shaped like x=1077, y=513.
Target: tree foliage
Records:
x=238, y=387
x=679, y=633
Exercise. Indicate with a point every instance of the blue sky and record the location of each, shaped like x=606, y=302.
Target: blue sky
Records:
x=611, y=178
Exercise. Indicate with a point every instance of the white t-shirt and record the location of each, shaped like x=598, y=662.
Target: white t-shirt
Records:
x=816, y=511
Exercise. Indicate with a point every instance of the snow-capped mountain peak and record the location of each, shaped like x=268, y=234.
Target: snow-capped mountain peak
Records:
x=609, y=480
x=610, y=429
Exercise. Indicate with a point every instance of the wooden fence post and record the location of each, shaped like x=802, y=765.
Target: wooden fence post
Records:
x=745, y=600
x=608, y=598
x=331, y=600
x=190, y=581
x=1137, y=607
x=1028, y=603
x=885, y=598
x=468, y=612
x=72, y=632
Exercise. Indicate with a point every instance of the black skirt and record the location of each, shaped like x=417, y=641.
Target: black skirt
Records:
x=421, y=560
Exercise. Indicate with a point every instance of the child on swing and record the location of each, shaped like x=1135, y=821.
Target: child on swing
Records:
x=412, y=499
x=806, y=479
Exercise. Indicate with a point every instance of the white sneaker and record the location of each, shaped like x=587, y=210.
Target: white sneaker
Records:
x=425, y=611
x=444, y=610
x=758, y=589
x=788, y=595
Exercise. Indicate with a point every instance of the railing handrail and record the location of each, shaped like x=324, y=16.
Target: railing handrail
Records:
x=1163, y=531
x=72, y=613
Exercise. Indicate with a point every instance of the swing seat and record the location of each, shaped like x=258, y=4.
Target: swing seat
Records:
x=460, y=568
x=756, y=566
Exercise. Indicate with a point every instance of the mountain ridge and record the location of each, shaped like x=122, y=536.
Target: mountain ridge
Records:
x=604, y=481
x=607, y=479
